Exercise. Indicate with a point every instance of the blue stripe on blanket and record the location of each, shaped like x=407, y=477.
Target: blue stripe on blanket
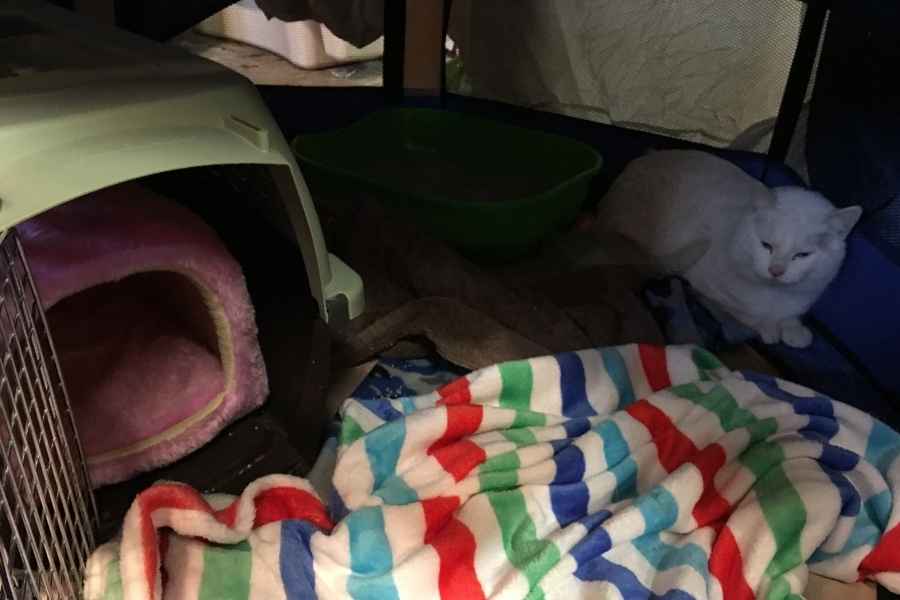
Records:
x=569, y=465
x=838, y=458
x=666, y=556
x=382, y=409
x=572, y=386
x=822, y=424
x=868, y=528
x=568, y=493
x=569, y=502
x=595, y=542
x=875, y=511
x=336, y=507
x=295, y=559
x=600, y=569
x=370, y=557
x=618, y=372
x=820, y=429
x=873, y=515
x=576, y=427
x=850, y=501
x=588, y=555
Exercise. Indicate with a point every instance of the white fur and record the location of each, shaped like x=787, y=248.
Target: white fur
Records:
x=672, y=203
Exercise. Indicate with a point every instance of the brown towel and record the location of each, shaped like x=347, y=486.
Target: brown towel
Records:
x=419, y=289
x=359, y=22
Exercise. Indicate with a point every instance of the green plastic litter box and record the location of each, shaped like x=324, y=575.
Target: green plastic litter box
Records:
x=492, y=190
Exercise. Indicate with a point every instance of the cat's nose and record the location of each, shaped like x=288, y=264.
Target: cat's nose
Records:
x=776, y=271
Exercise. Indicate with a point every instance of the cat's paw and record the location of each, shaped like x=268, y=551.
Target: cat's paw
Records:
x=795, y=334
x=769, y=333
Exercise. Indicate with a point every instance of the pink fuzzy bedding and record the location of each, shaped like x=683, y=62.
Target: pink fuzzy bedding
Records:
x=152, y=323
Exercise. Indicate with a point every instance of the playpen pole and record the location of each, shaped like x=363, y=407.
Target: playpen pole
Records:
x=414, y=48
x=394, y=44
x=801, y=72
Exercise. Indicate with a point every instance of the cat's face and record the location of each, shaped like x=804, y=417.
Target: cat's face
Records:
x=785, y=252
x=795, y=237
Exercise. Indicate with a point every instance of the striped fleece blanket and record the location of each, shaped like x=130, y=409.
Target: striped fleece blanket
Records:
x=629, y=472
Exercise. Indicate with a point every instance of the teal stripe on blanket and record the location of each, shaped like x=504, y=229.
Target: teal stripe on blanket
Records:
x=881, y=451
x=880, y=506
x=626, y=480
x=882, y=441
x=667, y=556
x=409, y=406
x=396, y=492
x=383, y=447
x=371, y=560
x=659, y=509
x=868, y=527
x=618, y=460
x=618, y=373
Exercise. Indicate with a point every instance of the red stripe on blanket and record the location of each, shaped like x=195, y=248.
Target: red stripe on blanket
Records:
x=653, y=359
x=674, y=449
x=228, y=515
x=717, y=526
x=455, y=547
x=288, y=503
x=726, y=565
x=455, y=392
x=885, y=557
x=460, y=458
x=457, y=455
x=462, y=421
x=164, y=495
x=438, y=512
x=711, y=506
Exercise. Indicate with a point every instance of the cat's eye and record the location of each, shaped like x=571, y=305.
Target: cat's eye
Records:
x=767, y=246
x=802, y=255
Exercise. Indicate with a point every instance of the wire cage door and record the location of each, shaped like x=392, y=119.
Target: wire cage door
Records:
x=47, y=511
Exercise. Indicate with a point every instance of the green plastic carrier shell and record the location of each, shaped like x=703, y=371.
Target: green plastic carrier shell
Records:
x=84, y=107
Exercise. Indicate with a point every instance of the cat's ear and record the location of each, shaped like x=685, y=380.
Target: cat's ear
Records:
x=843, y=220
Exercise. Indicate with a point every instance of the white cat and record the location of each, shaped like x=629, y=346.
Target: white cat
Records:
x=763, y=256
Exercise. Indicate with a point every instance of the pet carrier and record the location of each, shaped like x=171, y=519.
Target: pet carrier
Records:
x=47, y=512
x=83, y=108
